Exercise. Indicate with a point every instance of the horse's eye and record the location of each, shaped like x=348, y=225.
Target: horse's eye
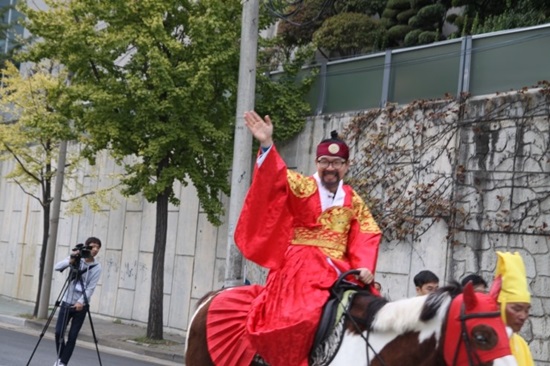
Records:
x=483, y=337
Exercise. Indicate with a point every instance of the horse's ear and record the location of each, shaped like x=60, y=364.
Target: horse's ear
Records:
x=470, y=299
x=495, y=288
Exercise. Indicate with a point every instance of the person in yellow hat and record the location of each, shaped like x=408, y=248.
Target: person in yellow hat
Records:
x=515, y=302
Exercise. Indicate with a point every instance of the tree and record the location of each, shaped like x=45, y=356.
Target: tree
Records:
x=30, y=133
x=365, y=34
x=160, y=88
x=159, y=80
x=301, y=22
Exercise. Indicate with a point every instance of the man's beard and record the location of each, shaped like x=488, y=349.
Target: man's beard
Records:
x=330, y=185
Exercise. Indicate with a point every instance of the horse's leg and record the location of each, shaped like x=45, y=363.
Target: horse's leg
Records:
x=197, y=349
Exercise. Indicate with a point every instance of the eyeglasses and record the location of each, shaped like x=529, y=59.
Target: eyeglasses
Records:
x=336, y=164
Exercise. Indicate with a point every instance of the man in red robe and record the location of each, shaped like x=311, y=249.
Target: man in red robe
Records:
x=307, y=230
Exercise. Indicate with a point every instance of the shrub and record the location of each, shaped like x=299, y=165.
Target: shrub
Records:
x=349, y=34
x=411, y=39
x=397, y=33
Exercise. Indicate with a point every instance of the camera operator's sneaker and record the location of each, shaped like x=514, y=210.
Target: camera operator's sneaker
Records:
x=58, y=363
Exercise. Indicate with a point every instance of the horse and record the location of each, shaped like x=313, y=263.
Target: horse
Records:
x=453, y=326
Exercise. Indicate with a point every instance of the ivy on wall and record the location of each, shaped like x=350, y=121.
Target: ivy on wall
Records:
x=480, y=164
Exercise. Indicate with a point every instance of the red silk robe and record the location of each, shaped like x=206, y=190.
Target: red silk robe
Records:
x=283, y=227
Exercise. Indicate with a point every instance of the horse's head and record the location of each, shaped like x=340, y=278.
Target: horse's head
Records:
x=474, y=333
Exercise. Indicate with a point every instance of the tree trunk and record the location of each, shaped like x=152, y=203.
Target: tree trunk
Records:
x=155, y=321
x=45, y=234
x=46, y=205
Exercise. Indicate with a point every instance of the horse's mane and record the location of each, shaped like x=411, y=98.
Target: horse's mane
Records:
x=373, y=306
x=435, y=300
x=421, y=313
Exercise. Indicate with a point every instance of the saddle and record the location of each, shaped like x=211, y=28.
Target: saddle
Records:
x=331, y=325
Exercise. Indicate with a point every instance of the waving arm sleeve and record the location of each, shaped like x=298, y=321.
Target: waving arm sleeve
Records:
x=264, y=225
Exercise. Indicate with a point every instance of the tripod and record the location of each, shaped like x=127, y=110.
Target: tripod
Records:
x=74, y=275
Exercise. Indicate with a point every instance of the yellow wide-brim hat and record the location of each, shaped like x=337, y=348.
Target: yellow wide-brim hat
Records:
x=513, y=278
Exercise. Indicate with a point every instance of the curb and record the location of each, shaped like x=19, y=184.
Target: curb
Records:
x=84, y=336
x=133, y=347
x=13, y=320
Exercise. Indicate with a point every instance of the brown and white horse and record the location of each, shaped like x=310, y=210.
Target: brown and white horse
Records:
x=444, y=328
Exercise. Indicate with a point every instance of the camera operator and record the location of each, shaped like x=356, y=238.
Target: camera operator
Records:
x=85, y=273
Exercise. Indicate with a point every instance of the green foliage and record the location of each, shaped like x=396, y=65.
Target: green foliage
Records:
x=428, y=37
x=488, y=16
x=510, y=20
x=404, y=16
x=415, y=22
x=390, y=13
x=388, y=22
x=282, y=96
x=159, y=82
x=451, y=18
x=426, y=15
x=399, y=4
x=397, y=33
x=411, y=39
x=417, y=4
x=349, y=34
x=431, y=16
x=475, y=25
x=373, y=7
x=414, y=15
x=31, y=129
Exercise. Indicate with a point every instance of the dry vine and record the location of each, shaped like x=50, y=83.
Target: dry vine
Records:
x=435, y=160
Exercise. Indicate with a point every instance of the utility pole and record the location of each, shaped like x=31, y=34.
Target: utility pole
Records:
x=52, y=239
x=241, y=174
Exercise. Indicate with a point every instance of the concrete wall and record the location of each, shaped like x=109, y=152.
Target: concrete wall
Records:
x=194, y=256
x=503, y=146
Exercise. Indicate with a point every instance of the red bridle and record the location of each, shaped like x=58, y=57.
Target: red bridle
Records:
x=474, y=333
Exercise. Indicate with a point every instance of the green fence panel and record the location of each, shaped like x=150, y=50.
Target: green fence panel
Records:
x=510, y=61
x=499, y=61
x=316, y=88
x=354, y=85
x=425, y=73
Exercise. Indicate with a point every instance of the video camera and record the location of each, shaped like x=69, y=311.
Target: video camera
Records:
x=82, y=252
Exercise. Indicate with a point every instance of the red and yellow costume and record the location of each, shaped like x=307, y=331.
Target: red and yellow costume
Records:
x=291, y=225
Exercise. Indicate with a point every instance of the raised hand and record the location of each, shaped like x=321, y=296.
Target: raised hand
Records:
x=261, y=128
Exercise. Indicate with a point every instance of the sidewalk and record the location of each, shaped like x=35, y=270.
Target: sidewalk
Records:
x=108, y=333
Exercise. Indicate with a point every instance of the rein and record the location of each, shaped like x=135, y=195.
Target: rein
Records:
x=470, y=352
x=354, y=321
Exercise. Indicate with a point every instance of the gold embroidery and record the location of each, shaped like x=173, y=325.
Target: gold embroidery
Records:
x=336, y=219
x=331, y=243
x=301, y=186
x=333, y=253
x=332, y=236
x=364, y=217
